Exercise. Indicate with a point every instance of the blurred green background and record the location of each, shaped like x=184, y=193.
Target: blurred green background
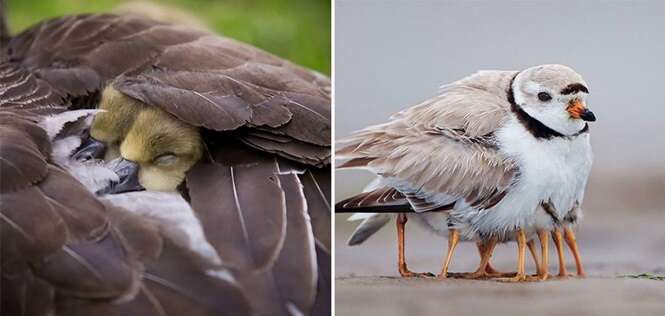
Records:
x=298, y=30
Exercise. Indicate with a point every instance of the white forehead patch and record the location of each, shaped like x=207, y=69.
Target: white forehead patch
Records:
x=532, y=87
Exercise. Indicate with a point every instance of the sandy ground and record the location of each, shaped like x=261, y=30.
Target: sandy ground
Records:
x=387, y=296
x=615, y=239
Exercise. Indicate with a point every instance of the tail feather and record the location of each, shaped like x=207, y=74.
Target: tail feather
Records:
x=374, y=208
x=359, y=216
x=367, y=228
x=381, y=200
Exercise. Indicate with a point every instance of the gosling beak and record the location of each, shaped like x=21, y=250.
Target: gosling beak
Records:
x=90, y=149
x=578, y=110
x=128, y=174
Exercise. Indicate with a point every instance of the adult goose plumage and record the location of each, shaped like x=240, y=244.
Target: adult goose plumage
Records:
x=260, y=192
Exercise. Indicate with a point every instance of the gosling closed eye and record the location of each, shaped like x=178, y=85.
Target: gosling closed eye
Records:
x=544, y=96
x=165, y=159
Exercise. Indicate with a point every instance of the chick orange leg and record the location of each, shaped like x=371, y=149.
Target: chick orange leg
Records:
x=569, y=236
x=453, y=239
x=521, y=254
x=532, y=249
x=494, y=273
x=491, y=271
x=558, y=242
x=543, y=270
x=485, y=250
x=403, y=270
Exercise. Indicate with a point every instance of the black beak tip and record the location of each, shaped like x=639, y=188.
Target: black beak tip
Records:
x=90, y=149
x=127, y=172
x=588, y=116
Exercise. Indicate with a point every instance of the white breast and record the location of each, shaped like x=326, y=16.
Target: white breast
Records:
x=553, y=170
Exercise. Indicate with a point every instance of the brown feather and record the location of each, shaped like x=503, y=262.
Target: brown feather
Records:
x=322, y=304
x=246, y=231
x=311, y=118
x=25, y=295
x=291, y=149
x=91, y=270
x=24, y=90
x=30, y=228
x=218, y=111
x=142, y=304
x=185, y=280
x=295, y=270
x=318, y=206
x=22, y=153
x=80, y=210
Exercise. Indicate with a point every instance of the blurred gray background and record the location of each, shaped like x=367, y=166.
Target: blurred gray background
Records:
x=390, y=55
x=393, y=54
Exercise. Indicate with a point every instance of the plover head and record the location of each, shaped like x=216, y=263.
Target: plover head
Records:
x=555, y=95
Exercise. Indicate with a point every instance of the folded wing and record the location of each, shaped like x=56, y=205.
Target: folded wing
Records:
x=443, y=150
x=203, y=79
x=66, y=252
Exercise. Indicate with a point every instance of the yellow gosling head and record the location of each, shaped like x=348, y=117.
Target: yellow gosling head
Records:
x=111, y=126
x=164, y=147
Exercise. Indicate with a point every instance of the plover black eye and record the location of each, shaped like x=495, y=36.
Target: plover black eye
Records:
x=544, y=96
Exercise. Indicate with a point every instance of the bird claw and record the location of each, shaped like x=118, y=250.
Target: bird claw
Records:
x=497, y=274
x=475, y=275
x=411, y=274
x=562, y=276
x=517, y=278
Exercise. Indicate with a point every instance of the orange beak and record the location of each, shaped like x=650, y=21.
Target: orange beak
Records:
x=578, y=110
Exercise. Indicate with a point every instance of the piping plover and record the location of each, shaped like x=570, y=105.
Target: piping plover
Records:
x=504, y=155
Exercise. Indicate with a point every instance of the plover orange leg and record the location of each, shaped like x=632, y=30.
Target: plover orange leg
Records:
x=403, y=269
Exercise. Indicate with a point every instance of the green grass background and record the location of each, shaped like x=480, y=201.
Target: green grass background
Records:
x=298, y=30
